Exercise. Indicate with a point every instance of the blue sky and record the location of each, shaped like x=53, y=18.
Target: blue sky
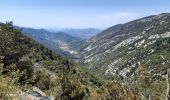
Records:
x=78, y=13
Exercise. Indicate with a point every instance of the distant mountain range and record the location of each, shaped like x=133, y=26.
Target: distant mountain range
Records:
x=64, y=42
x=80, y=33
x=59, y=42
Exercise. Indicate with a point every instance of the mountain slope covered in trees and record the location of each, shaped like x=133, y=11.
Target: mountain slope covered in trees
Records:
x=25, y=63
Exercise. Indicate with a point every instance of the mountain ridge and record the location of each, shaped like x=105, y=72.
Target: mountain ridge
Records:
x=109, y=48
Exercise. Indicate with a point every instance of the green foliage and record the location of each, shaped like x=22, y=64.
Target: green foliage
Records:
x=116, y=91
x=148, y=87
x=30, y=64
x=8, y=90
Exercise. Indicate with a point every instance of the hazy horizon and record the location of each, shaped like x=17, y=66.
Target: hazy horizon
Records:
x=55, y=14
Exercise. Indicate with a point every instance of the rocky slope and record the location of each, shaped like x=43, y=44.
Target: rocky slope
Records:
x=121, y=49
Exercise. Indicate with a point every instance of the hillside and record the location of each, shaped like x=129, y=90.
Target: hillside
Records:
x=122, y=48
x=58, y=42
x=26, y=64
x=119, y=52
